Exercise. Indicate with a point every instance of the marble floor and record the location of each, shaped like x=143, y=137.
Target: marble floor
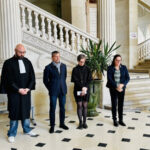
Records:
x=101, y=134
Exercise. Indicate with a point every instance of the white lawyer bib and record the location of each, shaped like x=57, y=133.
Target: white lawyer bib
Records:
x=21, y=67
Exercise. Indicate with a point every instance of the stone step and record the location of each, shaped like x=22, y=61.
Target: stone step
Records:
x=140, y=81
x=138, y=75
x=142, y=67
x=137, y=98
x=144, y=63
x=139, y=70
x=138, y=89
x=137, y=102
x=136, y=107
x=137, y=94
x=147, y=60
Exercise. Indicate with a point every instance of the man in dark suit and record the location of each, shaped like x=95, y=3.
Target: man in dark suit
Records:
x=55, y=81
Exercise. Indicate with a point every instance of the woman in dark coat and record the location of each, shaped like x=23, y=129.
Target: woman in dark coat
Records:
x=81, y=76
x=118, y=77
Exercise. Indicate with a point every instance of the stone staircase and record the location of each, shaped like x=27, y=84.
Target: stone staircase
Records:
x=138, y=92
x=142, y=67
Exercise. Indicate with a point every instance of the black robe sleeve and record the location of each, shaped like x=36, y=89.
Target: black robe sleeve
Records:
x=3, y=82
x=6, y=79
x=32, y=82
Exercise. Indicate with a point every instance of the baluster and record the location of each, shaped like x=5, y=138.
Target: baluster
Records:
x=23, y=16
x=83, y=42
x=78, y=43
x=43, y=26
x=55, y=32
x=67, y=38
x=49, y=30
x=88, y=42
x=36, y=23
x=72, y=41
x=29, y=19
x=61, y=36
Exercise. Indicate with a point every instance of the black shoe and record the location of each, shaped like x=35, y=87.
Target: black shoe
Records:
x=85, y=126
x=115, y=123
x=63, y=126
x=51, y=130
x=80, y=126
x=122, y=123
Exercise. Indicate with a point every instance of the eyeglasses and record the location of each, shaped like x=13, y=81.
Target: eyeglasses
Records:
x=21, y=52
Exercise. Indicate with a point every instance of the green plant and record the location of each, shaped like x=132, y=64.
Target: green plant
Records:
x=98, y=57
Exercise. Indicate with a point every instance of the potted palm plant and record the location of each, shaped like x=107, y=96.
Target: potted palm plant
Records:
x=98, y=59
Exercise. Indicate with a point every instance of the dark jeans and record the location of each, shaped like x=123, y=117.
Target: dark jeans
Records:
x=117, y=98
x=53, y=102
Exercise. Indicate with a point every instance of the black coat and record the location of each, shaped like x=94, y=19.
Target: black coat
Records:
x=124, y=78
x=11, y=81
x=54, y=81
x=81, y=76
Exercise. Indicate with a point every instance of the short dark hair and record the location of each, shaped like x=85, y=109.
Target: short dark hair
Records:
x=54, y=52
x=81, y=56
x=113, y=62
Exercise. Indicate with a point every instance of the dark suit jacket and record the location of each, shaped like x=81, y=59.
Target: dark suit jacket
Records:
x=54, y=81
x=124, y=78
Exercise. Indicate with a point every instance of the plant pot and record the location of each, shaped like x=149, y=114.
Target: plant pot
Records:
x=95, y=93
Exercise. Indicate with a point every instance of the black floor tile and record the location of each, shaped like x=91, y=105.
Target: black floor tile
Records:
x=58, y=131
x=13, y=149
x=144, y=149
x=107, y=116
x=135, y=119
x=76, y=149
x=102, y=144
x=138, y=112
x=147, y=124
x=90, y=135
x=90, y=119
x=72, y=121
x=99, y=124
x=35, y=135
x=131, y=128
x=66, y=140
x=47, y=119
x=146, y=135
x=40, y=144
x=125, y=140
x=111, y=131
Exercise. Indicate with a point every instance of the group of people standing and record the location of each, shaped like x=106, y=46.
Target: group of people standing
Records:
x=18, y=79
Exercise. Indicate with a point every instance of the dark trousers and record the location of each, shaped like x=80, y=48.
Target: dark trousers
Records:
x=117, y=98
x=53, y=102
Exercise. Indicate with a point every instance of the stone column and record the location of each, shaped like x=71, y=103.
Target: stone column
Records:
x=106, y=20
x=106, y=31
x=133, y=33
x=10, y=28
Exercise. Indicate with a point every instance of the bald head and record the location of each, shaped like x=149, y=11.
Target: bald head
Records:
x=20, y=51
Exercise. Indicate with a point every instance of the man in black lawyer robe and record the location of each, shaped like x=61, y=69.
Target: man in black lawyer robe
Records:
x=17, y=81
